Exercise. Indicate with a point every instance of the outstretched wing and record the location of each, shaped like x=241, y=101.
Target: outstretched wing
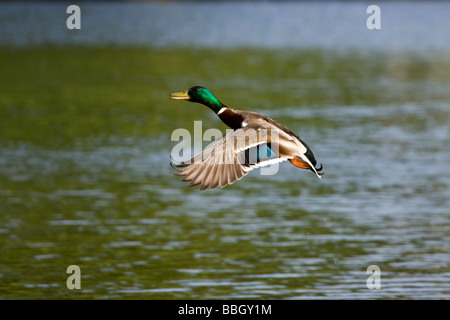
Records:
x=235, y=154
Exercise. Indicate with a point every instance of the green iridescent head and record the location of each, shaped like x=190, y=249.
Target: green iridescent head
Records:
x=200, y=95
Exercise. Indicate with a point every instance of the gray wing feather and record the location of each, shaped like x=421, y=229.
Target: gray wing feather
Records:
x=221, y=164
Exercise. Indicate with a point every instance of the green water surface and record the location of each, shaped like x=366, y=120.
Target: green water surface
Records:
x=85, y=177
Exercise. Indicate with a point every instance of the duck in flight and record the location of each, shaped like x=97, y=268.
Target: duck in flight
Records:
x=255, y=141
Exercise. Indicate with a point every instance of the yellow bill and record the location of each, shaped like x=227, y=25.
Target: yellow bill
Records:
x=180, y=95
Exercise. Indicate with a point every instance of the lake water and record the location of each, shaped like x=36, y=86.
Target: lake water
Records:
x=85, y=143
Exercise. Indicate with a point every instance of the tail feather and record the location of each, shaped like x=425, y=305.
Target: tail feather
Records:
x=304, y=163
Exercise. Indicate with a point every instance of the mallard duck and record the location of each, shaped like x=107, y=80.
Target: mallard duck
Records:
x=227, y=160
